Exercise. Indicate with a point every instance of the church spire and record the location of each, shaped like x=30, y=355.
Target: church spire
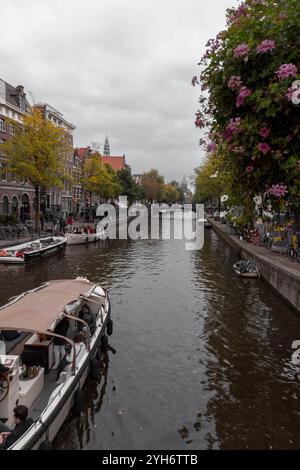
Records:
x=106, y=149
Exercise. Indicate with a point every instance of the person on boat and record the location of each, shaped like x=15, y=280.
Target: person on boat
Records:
x=59, y=343
x=9, y=436
x=86, y=315
x=66, y=364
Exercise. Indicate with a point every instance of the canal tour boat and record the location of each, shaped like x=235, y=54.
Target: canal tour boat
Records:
x=32, y=251
x=246, y=269
x=81, y=238
x=29, y=378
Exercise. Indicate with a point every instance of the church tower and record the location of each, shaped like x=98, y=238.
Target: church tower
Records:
x=106, y=149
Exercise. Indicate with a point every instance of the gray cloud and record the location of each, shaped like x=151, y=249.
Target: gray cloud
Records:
x=116, y=66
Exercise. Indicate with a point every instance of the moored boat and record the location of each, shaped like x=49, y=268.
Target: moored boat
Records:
x=83, y=238
x=29, y=377
x=246, y=269
x=32, y=251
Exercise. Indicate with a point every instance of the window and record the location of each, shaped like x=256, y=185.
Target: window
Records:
x=5, y=205
x=14, y=205
x=12, y=129
x=4, y=172
x=2, y=125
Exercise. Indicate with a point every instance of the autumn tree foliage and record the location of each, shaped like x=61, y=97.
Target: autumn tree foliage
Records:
x=152, y=183
x=99, y=178
x=37, y=152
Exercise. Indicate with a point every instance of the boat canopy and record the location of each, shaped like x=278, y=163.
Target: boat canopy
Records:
x=37, y=310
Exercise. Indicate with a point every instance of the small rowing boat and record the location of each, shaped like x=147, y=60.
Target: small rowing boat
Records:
x=246, y=269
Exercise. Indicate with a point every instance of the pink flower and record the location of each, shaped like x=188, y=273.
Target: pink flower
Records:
x=199, y=121
x=265, y=46
x=195, y=81
x=278, y=190
x=235, y=125
x=293, y=93
x=286, y=70
x=211, y=147
x=239, y=13
x=242, y=50
x=244, y=92
x=264, y=132
x=249, y=168
x=264, y=148
x=235, y=82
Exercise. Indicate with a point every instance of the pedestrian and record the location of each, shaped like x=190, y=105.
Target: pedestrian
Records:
x=70, y=223
x=62, y=224
x=55, y=226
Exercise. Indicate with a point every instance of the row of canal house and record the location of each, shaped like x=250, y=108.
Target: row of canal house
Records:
x=17, y=195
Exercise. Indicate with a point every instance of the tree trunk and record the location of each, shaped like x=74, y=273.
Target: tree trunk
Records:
x=37, y=208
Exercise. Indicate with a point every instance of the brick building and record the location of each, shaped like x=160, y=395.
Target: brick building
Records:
x=16, y=196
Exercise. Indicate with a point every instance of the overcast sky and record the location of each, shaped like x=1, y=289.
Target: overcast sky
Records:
x=119, y=66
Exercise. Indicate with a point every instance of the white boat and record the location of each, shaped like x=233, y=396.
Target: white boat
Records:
x=49, y=400
x=83, y=238
x=32, y=251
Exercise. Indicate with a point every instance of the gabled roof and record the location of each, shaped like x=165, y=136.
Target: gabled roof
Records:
x=82, y=152
x=11, y=95
x=117, y=163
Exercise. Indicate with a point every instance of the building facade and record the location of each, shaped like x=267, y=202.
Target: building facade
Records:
x=16, y=196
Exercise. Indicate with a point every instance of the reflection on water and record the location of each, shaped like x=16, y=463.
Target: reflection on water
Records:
x=202, y=358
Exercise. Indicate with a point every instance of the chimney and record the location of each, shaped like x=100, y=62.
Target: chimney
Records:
x=20, y=89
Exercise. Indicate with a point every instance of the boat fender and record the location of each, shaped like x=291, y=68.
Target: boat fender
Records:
x=104, y=344
x=86, y=239
x=45, y=445
x=94, y=369
x=78, y=405
x=110, y=327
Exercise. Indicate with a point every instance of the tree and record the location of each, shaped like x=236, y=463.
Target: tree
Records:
x=252, y=107
x=129, y=187
x=37, y=152
x=180, y=190
x=152, y=182
x=168, y=194
x=210, y=183
x=98, y=178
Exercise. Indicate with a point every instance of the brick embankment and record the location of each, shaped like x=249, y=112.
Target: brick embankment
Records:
x=280, y=271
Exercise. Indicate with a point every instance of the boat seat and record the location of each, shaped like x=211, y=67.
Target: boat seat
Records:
x=11, y=343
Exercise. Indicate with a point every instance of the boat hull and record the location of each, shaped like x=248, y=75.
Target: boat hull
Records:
x=47, y=427
x=82, y=239
x=35, y=254
x=251, y=275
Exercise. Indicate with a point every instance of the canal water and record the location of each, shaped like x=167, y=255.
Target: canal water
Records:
x=199, y=359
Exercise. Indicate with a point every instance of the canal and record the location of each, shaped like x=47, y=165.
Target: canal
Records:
x=199, y=359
